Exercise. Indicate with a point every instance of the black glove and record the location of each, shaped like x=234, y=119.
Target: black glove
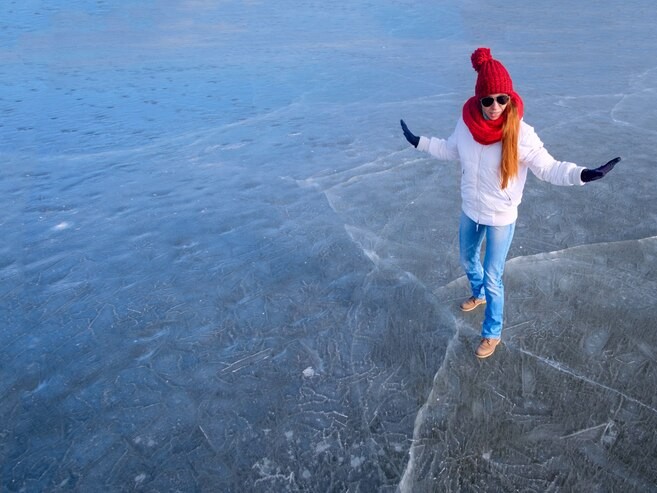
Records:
x=596, y=174
x=413, y=139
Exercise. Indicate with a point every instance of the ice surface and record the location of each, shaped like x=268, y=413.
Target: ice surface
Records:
x=567, y=402
x=223, y=269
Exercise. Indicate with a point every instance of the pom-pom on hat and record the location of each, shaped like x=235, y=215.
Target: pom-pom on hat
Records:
x=492, y=77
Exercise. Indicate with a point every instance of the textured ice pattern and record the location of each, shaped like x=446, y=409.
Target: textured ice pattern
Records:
x=224, y=269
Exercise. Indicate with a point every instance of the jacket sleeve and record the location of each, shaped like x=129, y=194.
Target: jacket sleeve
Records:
x=532, y=153
x=445, y=150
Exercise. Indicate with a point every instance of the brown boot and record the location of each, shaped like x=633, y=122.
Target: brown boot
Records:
x=486, y=347
x=472, y=303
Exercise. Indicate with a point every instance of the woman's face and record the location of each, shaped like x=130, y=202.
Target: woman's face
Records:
x=499, y=103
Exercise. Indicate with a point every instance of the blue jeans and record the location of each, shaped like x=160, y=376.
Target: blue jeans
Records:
x=486, y=280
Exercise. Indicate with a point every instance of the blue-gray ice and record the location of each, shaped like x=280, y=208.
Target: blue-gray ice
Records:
x=224, y=269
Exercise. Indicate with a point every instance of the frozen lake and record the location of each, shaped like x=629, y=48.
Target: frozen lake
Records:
x=224, y=269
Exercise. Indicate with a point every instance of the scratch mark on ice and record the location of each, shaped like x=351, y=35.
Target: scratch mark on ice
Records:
x=248, y=360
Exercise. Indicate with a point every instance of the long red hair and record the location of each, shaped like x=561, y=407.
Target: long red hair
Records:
x=510, y=134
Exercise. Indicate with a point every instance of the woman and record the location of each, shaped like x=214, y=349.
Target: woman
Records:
x=495, y=148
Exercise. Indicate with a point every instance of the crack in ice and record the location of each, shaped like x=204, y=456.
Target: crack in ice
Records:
x=564, y=369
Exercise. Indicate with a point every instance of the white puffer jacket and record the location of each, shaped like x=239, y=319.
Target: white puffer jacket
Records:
x=483, y=199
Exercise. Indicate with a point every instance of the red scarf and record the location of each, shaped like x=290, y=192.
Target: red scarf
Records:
x=484, y=131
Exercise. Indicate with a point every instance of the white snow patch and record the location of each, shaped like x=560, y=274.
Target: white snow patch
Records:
x=322, y=447
x=356, y=462
x=62, y=226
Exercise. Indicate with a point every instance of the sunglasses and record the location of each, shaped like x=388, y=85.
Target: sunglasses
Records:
x=488, y=101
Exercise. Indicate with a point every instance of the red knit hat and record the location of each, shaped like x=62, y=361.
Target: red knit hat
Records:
x=492, y=77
